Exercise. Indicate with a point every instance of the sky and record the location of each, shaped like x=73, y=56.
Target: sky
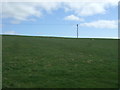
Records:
x=96, y=18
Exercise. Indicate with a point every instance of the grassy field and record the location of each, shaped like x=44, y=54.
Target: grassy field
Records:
x=44, y=62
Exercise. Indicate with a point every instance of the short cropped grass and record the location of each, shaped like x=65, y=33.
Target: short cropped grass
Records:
x=44, y=62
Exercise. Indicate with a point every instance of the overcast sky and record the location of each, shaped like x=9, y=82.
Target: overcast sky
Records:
x=96, y=18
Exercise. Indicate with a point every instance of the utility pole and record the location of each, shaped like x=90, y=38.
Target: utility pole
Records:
x=77, y=30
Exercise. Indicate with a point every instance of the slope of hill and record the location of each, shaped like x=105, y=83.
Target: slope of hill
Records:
x=44, y=62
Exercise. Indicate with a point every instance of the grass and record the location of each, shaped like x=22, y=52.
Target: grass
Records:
x=44, y=62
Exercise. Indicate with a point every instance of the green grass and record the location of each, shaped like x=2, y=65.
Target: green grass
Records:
x=44, y=62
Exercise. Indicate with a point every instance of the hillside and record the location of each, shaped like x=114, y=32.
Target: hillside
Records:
x=49, y=62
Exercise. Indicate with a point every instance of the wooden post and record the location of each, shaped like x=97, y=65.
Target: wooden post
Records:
x=77, y=30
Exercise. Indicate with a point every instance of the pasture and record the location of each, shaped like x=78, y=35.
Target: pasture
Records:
x=51, y=62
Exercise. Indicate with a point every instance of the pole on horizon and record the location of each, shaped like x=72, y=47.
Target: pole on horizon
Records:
x=77, y=30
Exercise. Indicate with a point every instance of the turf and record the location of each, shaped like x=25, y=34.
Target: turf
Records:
x=44, y=62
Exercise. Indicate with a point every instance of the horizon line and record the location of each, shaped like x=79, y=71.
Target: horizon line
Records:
x=61, y=36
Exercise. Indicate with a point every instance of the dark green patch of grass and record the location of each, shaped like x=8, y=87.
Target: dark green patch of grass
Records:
x=44, y=62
